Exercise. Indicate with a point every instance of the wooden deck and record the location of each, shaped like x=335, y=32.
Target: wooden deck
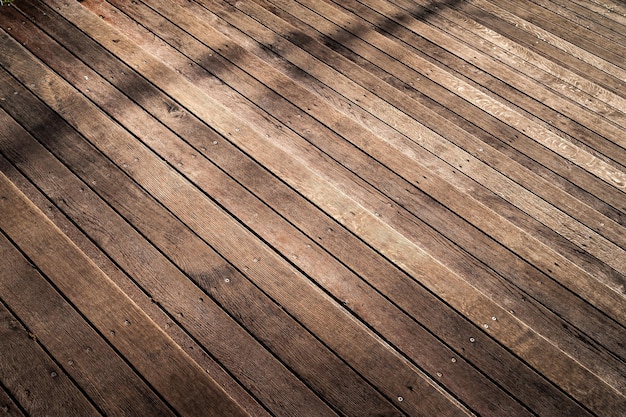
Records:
x=313, y=208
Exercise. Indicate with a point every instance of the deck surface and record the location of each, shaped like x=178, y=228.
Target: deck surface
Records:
x=313, y=208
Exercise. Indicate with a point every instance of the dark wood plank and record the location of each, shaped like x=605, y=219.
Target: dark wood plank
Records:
x=36, y=381
x=148, y=304
x=88, y=360
x=371, y=238
x=99, y=220
x=8, y=407
x=165, y=366
x=187, y=244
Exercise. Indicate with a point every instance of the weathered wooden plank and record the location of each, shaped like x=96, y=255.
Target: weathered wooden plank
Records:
x=343, y=125
x=581, y=16
x=568, y=31
x=181, y=66
x=32, y=377
x=325, y=134
x=216, y=188
x=202, y=204
x=347, y=333
x=160, y=361
x=405, y=328
x=7, y=406
x=511, y=116
x=226, y=193
x=171, y=327
x=550, y=46
x=525, y=70
x=132, y=252
x=182, y=112
x=609, y=9
x=186, y=249
x=543, y=188
x=481, y=152
x=512, y=195
x=115, y=45
x=38, y=384
x=85, y=357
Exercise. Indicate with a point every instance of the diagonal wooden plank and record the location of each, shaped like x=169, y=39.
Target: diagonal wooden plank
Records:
x=92, y=364
x=509, y=115
x=404, y=333
x=570, y=32
x=240, y=239
x=7, y=405
x=499, y=136
x=458, y=206
x=235, y=128
x=273, y=105
x=549, y=45
x=295, y=122
x=175, y=376
x=180, y=297
x=268, y=227
x=608, y=29
x=39, y=385
x=143, y=300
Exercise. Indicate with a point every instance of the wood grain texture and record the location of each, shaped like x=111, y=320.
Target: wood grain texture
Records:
x=365, y=207
x=7, y=406
x=33, y=378
x=59, y=258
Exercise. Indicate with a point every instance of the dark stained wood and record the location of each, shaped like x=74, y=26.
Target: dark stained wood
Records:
x=294, y=208
x=8, y=407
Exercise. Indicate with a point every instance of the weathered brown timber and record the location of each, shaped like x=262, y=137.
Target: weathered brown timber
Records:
x=297, y=208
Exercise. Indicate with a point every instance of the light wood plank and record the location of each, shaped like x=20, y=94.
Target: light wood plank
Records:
x=609, y=9
x=501, y=111
x=512, y=195
x=581, y=16
x=524, y=70
x=477, y=149
x=569, y=32
x=551, y=46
